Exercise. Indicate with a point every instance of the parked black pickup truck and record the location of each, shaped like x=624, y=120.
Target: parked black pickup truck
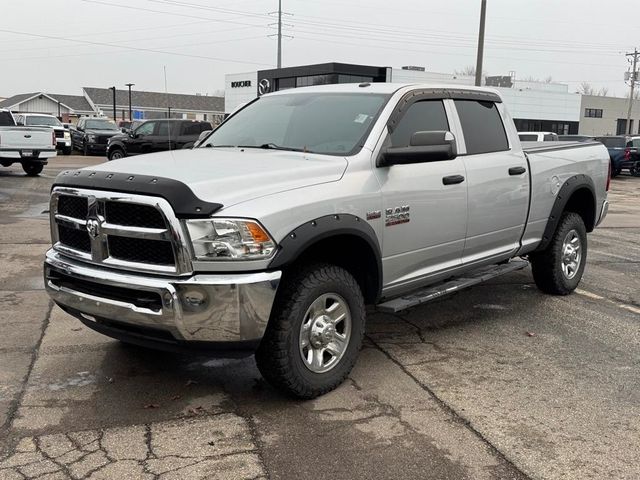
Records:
x=156, y=136
x=91, y=134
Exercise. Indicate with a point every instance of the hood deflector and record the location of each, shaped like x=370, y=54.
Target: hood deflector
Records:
x=185, y=203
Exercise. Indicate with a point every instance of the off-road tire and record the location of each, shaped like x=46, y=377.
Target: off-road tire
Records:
x=547, y=264
x=32, y=169
x=278, y=356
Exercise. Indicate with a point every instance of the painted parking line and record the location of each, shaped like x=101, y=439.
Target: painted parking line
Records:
x=595, y=296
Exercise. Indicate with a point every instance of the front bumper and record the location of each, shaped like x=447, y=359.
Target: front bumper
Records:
x=200, y=311
x=63, y=143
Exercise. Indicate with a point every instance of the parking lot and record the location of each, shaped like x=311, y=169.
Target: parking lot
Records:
x=496, y=382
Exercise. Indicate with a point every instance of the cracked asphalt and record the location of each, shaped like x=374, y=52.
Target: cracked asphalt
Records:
x=497, y=382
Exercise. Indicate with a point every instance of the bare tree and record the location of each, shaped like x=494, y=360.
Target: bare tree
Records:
x=469, y=71
x=586, y=88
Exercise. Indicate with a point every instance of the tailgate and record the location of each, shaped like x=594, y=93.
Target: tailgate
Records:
x=33, y=138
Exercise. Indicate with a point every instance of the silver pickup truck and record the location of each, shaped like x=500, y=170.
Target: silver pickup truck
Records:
x=306, y=205
x=32, y=147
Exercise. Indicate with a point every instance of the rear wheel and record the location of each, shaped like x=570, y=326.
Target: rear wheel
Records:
x=32, y=169
x=315, y=332
x=559, y=268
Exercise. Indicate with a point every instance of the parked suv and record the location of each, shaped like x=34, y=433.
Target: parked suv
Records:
x=91, y=134
x=63, y=137
x=624, y=152
x=156, y=136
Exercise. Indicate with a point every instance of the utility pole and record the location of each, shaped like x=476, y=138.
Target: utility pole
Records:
x=633, y=75
x=279, y=33
x=130, y=85
x=115, y=115
x=483, y=15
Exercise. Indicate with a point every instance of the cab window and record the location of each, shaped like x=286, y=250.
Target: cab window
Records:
x=428, y=115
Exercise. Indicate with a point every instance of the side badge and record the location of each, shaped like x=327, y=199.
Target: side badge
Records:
x=374, y=214
x=397, y=216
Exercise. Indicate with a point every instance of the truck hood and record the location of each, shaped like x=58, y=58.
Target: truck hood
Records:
x=231, y=175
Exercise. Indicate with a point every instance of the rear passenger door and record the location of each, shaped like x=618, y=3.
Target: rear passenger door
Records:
x=497, y=182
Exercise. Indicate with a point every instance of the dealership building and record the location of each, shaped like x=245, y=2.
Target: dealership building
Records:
x=535, y=106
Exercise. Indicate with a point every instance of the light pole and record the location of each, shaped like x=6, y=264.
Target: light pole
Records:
x=113, y=89
x=130, y=85
x=483, y=15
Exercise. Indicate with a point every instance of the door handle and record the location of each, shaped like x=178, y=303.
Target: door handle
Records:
x=517, y=170
x=452, y=179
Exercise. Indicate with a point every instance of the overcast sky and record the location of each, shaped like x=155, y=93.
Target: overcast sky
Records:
x=60, y=46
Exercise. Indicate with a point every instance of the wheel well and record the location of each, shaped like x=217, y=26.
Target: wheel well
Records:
x=352, y=253
x=583, y=203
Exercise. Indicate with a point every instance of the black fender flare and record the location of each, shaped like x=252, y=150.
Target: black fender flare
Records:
x=306, y=235
x=119, y=144
x=570, y=186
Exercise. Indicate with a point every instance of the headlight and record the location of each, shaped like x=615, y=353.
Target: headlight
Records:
x=67, y=136
x=229, y=239
x=91, y=138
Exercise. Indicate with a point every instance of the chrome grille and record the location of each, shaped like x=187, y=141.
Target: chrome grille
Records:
x=125, y=231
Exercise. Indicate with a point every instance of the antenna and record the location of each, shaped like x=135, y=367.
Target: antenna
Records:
x=166, y=92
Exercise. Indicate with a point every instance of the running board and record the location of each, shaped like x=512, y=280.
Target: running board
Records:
x=434, y=292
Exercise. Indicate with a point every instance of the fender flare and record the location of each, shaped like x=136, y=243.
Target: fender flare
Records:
x=306, y=235
x=570, y=186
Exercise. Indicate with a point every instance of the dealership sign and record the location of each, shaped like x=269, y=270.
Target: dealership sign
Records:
x=240, y=84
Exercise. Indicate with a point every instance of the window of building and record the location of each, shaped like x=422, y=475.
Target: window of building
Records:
x=482, y=126
x=286, y=83
x=420, y=117
x=593, y=112
x=621, y=126
x=343, y=78
x=310, y=80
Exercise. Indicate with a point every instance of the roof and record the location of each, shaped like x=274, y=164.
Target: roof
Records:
x=384, y=87
x=146, y=100
x=76, y=102
x=11, y=101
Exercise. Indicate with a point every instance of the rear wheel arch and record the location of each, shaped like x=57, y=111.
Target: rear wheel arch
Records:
x=343, y=240
x=578, y=195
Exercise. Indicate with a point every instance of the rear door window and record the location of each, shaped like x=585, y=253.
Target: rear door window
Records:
x=428, y=115
x=482, y=126
x=193, y=128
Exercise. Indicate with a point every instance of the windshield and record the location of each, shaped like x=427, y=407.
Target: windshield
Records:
x=330, y=123
x=100, y=125
x=43, y=121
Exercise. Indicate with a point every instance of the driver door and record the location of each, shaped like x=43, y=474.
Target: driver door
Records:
x=431, y=238
x=142, y=137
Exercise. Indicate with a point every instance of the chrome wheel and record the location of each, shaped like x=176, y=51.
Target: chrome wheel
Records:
x=325, y=333
x=571, y=254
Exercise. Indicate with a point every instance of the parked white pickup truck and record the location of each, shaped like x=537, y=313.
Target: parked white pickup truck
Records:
x=29, y=146
x=305, y=205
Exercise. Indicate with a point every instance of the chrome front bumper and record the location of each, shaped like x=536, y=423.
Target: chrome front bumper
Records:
x=200, y=308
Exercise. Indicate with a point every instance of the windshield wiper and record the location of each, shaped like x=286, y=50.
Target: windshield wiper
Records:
x=273, y=146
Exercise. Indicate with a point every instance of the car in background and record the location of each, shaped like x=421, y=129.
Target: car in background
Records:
x=156, y=136
x=624, y=152
x=91, y=134
x=538, y=136
x=63, y=136
x=32, y=147
x=575, y=138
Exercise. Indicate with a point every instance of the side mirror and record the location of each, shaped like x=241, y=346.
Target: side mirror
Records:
x=201, y=137
x=433, y=146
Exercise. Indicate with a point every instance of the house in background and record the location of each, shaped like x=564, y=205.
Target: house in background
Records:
x=99, y=102
x=148, y=105
x=66, y=107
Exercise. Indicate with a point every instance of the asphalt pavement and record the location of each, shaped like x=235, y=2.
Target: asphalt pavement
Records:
x=496, y=382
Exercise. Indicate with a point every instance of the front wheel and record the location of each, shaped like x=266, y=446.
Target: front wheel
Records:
x=315, y=332
x=32, y=169
x=116, y=154
x=558, y=269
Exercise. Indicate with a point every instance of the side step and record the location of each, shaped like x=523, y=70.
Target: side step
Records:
x=434, y=292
